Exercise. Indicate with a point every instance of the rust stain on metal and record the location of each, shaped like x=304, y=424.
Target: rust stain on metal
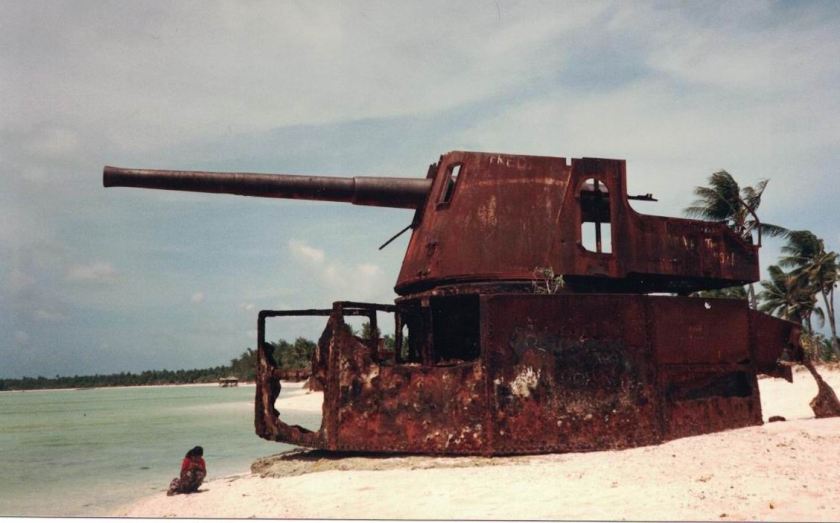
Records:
x=485, y=365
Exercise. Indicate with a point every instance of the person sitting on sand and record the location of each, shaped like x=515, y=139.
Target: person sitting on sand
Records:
x=193, y=472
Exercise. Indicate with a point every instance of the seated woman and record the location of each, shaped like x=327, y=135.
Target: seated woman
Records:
x=193, y=472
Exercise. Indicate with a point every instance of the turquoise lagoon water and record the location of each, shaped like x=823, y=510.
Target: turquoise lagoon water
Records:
x=87, y=452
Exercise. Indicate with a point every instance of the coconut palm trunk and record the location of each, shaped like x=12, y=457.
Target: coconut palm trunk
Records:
x=806, y=253
x=753, y=301
x=825, y=404
x=828, y=300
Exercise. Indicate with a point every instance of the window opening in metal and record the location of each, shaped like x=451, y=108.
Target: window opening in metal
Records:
x=449, y=184
x=595, y=223
x=455, y=321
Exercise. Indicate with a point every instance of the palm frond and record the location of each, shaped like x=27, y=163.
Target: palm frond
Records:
x=790, y=295
x=697, y=210
x=752, y=195
x=768, y=229
x=801, y=249
x=717, y=202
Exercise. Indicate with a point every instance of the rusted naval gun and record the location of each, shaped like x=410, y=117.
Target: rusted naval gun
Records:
x=494, y=362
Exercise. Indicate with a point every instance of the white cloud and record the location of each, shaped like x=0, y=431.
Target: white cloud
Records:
x=18, y=280
x=54, y=141
x=21, y=338
x=240, y=68
x=361, y=281
x=780, y=58
x=197, y=297
x=94, y=272
x=677, y=91
x=305, y=252
x=359, y=277
x=247, y=306
x=48, y=315
x=670, y=136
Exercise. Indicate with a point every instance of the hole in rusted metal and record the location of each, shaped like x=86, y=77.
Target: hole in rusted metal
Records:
x=456, y=329
x=594, y=214
x=450, y=183
x=727, y=385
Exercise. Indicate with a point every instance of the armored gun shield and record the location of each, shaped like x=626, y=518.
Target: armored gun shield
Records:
x=484, y=361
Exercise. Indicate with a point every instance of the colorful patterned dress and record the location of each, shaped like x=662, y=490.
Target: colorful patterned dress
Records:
x=193, y=472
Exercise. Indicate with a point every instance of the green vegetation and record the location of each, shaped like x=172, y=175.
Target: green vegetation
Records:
x=733, y=293
x=149, y=377
x=388, y=340
x=723, y=200
x=805, y=292
x=289, y=356
x=292, y=356
x=787, y=296
x=793, y=295
x=546, y=282
x=817, y=271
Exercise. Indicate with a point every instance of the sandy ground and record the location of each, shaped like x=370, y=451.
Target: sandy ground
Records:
x=780, y=471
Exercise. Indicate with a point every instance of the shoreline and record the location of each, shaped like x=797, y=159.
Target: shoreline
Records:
x=776, y=471
x=241, y=384
x=798, y=369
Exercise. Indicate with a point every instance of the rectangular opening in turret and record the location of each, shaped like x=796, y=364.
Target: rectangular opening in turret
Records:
x=449, y=184
x=595, y=219
x=441, y=331
x=455, y=323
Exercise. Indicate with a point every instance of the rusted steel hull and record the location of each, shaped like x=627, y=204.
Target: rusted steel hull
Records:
x=489, y=365
x=553, y=373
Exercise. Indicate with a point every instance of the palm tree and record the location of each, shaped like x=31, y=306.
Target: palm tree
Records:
x=725, y=201
x=805, y=252
x=789, y=296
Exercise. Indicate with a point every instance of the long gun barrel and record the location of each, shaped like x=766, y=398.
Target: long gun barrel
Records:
x=407, y=193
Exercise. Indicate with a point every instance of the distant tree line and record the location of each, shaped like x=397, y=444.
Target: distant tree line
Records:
x=292, y=356
x=289, y=356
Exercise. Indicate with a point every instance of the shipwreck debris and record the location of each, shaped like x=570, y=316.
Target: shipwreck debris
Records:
x=484, y=362
x=825, y=404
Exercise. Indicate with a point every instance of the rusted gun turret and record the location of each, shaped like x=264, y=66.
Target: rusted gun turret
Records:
x=486, y=217
x=494, y=361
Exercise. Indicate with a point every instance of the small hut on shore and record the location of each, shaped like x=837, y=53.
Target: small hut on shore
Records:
x=230, y=381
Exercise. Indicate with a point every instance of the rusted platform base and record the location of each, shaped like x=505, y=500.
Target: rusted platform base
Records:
x=519, y=373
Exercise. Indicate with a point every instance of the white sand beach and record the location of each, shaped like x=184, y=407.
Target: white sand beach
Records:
x=780, y=471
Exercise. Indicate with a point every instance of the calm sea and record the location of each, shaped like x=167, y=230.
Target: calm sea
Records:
x=86, y=452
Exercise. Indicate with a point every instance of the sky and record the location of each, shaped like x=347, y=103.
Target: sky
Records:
x=96, y=280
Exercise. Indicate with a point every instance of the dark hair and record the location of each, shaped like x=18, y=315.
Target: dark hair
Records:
x=195, y=452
